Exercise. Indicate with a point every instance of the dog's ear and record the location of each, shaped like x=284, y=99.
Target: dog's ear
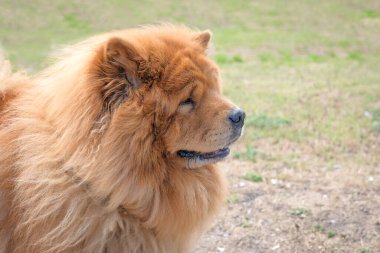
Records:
x=119, y=72
x=203, y=38
x=125, y=60
x=123, y=69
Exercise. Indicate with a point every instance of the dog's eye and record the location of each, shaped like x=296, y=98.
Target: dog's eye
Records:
x=188, y=101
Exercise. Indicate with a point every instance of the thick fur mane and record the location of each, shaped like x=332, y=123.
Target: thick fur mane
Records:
x=69, y=183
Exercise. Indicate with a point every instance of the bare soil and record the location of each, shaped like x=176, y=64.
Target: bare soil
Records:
x=316, y=207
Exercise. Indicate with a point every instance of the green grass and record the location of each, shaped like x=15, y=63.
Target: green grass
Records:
x=264, y=121
x=374, y=116
x=318, y=228
x=371, y=14
x=331, y=234
x=245, y=222
x=225, y=59
x=233, y=198
x=249, y=154
x=300, y=212
x=253, y=177
x=304, y=71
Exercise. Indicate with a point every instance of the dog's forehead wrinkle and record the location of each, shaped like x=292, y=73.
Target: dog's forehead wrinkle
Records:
x=182, y=68
x=176, y=61
x=186, y=64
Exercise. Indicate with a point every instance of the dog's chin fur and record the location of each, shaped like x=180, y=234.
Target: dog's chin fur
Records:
x=76, y=176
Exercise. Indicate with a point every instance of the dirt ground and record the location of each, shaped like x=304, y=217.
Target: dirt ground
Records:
x=322, y=209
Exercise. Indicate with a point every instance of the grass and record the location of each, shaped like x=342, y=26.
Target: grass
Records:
x=250, y=154
x=225, y=59
x=245, y=222
x=318, y=228
x=264, y=121
x=304, y=71
x=300, y=212
x=233, y=198
x=371, y=14
x=374, y=116
x=331, y=234
x=253, y=177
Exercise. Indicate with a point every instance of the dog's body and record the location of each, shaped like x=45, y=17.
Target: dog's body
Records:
x=94, y=151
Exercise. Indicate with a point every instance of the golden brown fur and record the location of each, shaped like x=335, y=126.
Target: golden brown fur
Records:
x=88, y=148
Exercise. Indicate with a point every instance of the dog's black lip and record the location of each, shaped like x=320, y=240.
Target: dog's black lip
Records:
x=220, y=153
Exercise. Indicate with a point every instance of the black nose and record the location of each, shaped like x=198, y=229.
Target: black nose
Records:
x=236, y=117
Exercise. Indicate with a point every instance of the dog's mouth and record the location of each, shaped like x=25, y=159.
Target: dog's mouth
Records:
x=195, y=159
x=215, y=155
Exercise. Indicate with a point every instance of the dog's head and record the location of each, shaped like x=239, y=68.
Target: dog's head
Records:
x=166, y=77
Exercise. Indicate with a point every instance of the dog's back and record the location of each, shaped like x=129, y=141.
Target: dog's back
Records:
x=11, y=87
x=8, y=91
x=5, y=172
x=4, y=74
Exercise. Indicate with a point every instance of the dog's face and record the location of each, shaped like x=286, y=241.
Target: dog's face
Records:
x=204, y=122
x=180, y=89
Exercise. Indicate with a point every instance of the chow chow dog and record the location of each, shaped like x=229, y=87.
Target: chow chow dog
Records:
x=112, y=148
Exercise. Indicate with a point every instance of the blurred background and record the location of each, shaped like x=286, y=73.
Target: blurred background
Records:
x=306, y=175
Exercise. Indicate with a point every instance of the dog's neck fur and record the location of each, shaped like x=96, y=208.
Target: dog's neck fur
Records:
x=50, y=204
